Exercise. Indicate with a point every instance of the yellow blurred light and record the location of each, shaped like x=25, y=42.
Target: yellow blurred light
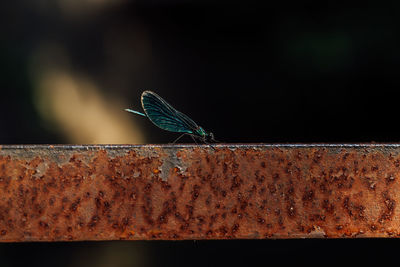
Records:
x=83, y=113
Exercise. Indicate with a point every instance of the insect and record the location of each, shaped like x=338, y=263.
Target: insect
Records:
x=164, y=116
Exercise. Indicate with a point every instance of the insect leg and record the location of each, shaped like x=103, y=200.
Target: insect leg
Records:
x=207, y=143
x=203, y=140
x=179, y=138
x=212, y=138
x=194, y=139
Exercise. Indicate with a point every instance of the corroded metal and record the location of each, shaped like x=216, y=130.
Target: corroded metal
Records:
x=59, y=193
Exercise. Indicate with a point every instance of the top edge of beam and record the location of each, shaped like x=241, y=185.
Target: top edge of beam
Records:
x=219, y=145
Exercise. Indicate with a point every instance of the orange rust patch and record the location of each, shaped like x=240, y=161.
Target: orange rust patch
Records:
x=103, y=193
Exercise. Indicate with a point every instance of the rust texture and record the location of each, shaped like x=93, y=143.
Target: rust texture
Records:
x=61, y=193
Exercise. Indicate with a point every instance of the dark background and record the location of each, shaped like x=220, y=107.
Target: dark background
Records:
x=245, y=71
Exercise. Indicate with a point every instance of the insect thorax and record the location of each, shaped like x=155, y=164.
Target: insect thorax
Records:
x=201, y=132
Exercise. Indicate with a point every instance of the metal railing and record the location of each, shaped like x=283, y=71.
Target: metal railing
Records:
x=228, y=191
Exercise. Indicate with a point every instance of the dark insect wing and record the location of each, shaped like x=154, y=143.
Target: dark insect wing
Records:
x=159, y=113
x=188, y=121
x=165, y=116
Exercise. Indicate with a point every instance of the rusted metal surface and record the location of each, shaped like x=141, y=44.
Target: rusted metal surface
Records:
x=60, y=193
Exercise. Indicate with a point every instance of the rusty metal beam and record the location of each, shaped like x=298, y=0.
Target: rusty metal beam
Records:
x=109, y=192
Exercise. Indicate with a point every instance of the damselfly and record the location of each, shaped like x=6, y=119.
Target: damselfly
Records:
x=164, y=116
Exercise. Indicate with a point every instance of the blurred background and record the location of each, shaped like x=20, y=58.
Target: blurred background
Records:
x=245, y=71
